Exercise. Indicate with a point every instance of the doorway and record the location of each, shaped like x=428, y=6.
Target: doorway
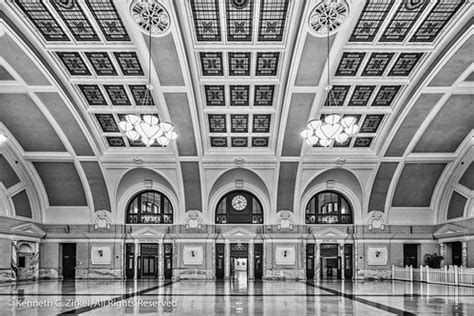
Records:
x=149, y=261
x=220, y=249
x=238, y=261
x=456, y=253
x=168, y=261
x=69, y=261
x=309, y=261
x=130, y=261
x=410, y=255
x=258, y=261
x=330, y=262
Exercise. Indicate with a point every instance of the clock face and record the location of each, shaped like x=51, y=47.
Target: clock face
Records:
x=239, y=202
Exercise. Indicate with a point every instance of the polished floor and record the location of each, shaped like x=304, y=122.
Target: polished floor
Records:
x=200, y=298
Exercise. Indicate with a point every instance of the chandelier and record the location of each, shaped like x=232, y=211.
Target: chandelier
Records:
x=333, y=127
x=148, y=128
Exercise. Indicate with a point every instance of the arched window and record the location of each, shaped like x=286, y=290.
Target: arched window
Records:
x=328, y=208
x=239, y=207
x=149, y=207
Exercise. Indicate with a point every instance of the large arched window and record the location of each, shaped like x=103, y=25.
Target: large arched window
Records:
x=328, y=208
x=150, y=207
x=239, y=207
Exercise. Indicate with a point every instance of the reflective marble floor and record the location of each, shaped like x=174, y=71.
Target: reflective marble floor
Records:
x=201, y=298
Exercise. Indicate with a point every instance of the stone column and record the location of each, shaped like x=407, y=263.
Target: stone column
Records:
x=464, y=254
x=341, y=254
x=227, y=260
x=250, y=262
x=317, y=261
x=14, y=260
x=135, y=259
x=161, y=263
x=442, y=252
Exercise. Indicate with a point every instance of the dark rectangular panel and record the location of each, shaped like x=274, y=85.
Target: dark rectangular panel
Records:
x=239, y=141
x=93, y=94
x=405, y=64
x=337, y=96
x=206, y=20
x=22, y=204
x=239, y=64
x=74, y=63
x=416, y=184
x=129, y=63
x=180, y=115
x=239, y=20
x=267, y=64
x=211, y=63
x=76, y=21
x=386, y=95
x=67, y=122
x=261, y=123
x=117, y=94
x=380, y=186
x=192, y=185
x=141, y=95
x=456, y=206
x=239, y=123
x=218, y=142
x=371, y=123
x=286, y=185
x=260, y=142
x=239, y=95
x=44, y=21
x=272, y=20
x=95, y=177
x=349, y=64
x=370, y=20
x=215, y=95
x=298, y=116
x=107, y=123
x=217, y=123
x=361, y=95
x=7, y=175
x=101, y=63
x=115, y=141
x=363, y=142
x=438, y=17
x=62, y=183
x=377, y=64
x=109, y=21
x=264, y=95
x=402, y=21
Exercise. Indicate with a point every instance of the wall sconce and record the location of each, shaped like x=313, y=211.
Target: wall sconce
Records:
x=377, y=253
x=285, y=253
x=101, y=252
x=192, y=253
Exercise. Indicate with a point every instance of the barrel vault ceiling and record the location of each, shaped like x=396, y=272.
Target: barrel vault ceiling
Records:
x=239, y=79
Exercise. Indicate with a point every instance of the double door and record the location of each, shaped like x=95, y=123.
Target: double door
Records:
x=147, y=261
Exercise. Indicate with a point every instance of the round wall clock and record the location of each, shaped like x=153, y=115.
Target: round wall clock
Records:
x=239, y=202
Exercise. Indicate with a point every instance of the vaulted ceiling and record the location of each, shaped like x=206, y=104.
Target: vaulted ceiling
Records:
x=239, y=79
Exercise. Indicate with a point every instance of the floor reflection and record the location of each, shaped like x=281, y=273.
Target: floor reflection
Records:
x=235, y=296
